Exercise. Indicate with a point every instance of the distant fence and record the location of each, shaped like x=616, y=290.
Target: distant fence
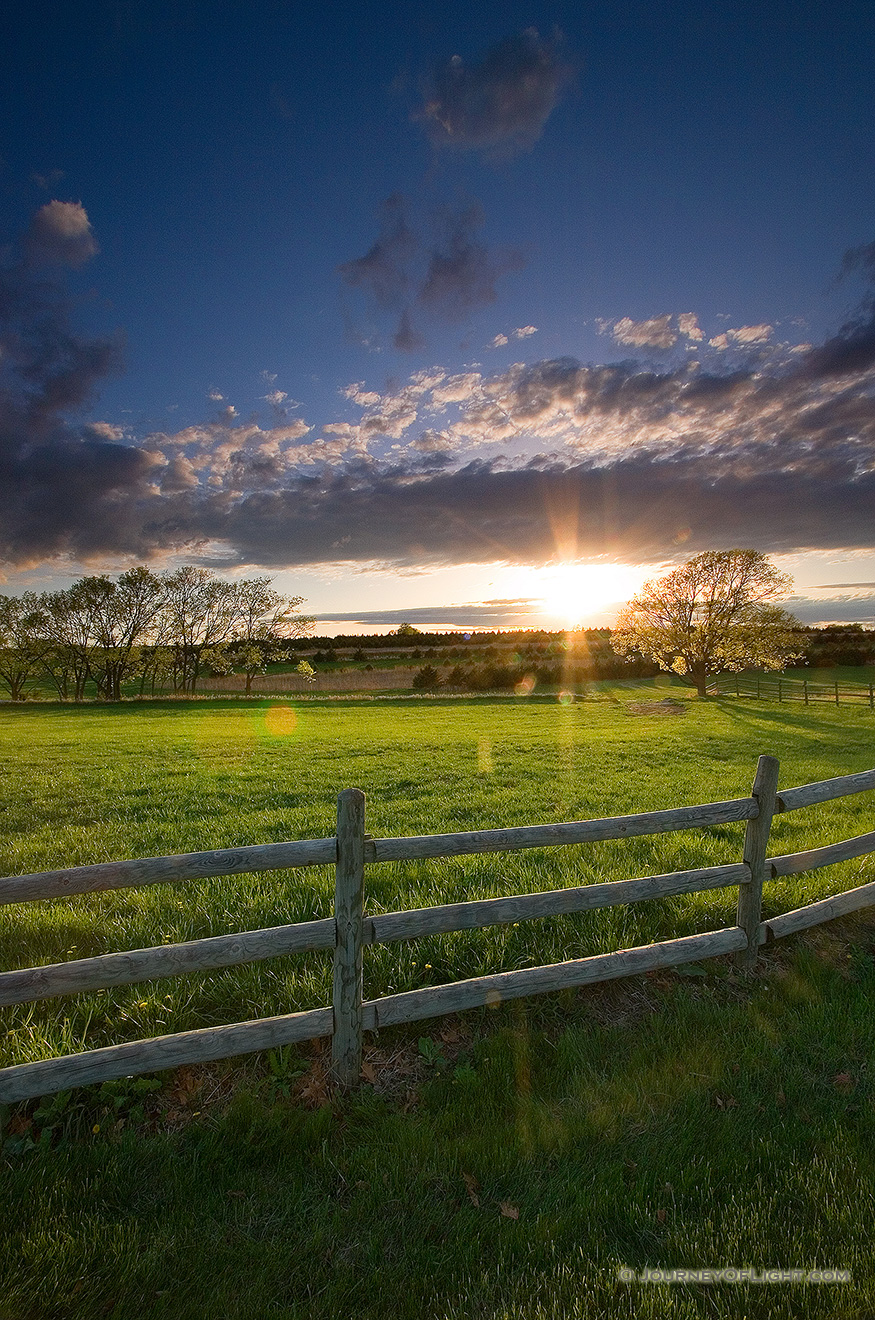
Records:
x=769, y=687
x=349, y=930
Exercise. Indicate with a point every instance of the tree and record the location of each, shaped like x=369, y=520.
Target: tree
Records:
x=123, y=615
x=717, y=612
x=19, y=632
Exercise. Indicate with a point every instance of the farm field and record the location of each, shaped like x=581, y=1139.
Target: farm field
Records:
x=683, y=1120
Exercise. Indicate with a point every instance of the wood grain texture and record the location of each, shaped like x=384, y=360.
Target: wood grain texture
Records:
x=26, y=1081
x=756, y=841
x=791, y=799
x=98, y=973
x=434, y=1001
x=346, y=1045
x=543, y=836
x=815, y=913
x=389, y=926
x=812, y=858
x=167, y=870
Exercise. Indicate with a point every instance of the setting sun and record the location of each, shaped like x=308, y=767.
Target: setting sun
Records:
x=573, y=593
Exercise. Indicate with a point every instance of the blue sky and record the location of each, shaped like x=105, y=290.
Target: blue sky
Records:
x=486, y=312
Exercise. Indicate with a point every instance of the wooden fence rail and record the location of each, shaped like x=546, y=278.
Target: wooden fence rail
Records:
x=769, y=687
x=350, y=930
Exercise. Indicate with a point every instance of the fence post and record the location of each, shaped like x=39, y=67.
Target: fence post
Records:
x=837, y=693
x=756, y=841
x=346, y=1042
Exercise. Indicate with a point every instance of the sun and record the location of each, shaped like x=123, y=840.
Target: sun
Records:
x=573, y=593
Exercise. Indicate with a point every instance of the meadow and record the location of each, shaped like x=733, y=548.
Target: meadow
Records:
x=503, y=1163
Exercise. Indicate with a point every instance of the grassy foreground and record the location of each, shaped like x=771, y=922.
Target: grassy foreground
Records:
x=509, y=1163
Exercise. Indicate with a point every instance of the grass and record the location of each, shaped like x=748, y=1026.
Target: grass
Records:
x=675, y=1121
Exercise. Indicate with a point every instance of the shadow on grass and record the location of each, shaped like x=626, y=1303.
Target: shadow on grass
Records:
x=666, y=1123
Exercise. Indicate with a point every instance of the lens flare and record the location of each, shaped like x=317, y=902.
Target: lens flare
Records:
x=280, y=721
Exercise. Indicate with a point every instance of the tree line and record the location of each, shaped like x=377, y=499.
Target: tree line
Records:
x=155, y=630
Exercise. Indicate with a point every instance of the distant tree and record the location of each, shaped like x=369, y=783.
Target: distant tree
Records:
x=716, y=612
x=405, y=630
x=19, y=635
x=69, y=625
x=122, y=613
x=426, y=679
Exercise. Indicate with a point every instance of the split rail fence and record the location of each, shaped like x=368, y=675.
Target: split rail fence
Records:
x=349, y=930
x=767, y=687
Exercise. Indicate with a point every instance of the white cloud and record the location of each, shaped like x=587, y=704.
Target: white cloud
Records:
x=524, y=331
x=499, y=341
x=656, y=332
x=751, y=334
x=688, y=324
x=60, y=234
x=106, y=431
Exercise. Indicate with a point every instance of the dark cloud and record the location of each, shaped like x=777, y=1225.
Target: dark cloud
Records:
x=407, y=338
x=638, y=509
x=859, y=259
x=616, y=459
x=60, y=234
x=383, y=270
x=485, y=614
x=499, y=105
x=461, y=274
x=853, y=348
x=838, y=609
x=61, y=486
x=450, y=276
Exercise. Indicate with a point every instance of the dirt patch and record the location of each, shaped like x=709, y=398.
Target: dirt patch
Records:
x=669, y=706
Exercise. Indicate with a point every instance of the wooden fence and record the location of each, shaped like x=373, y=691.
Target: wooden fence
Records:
x=349, y=930
x=770, y=687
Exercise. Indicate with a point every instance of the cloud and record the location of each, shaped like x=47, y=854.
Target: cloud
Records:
x=462, y=275
x=483, y=614
x=837, y=609
x=524, y=331
x=498, y=342
x=47, y=181
x=60, y=234
x=542, y=459
x=751, y=334
x=407, y=338
x=656, y=332
x=60, y=482
x=448, y=275
x=382, y=271
x=688, y=324
x=500, y=105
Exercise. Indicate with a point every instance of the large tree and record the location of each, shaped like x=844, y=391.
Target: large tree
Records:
x=716, y=612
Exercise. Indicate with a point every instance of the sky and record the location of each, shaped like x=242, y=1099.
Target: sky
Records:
x=465, y=316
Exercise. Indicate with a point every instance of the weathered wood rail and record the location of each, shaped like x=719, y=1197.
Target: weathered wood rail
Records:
x=350, y=930
x=770, y=687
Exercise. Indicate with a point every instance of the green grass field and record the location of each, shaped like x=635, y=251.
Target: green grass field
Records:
x=681, y=1120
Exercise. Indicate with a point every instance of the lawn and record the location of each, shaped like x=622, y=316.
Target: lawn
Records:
x=676, y=1121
